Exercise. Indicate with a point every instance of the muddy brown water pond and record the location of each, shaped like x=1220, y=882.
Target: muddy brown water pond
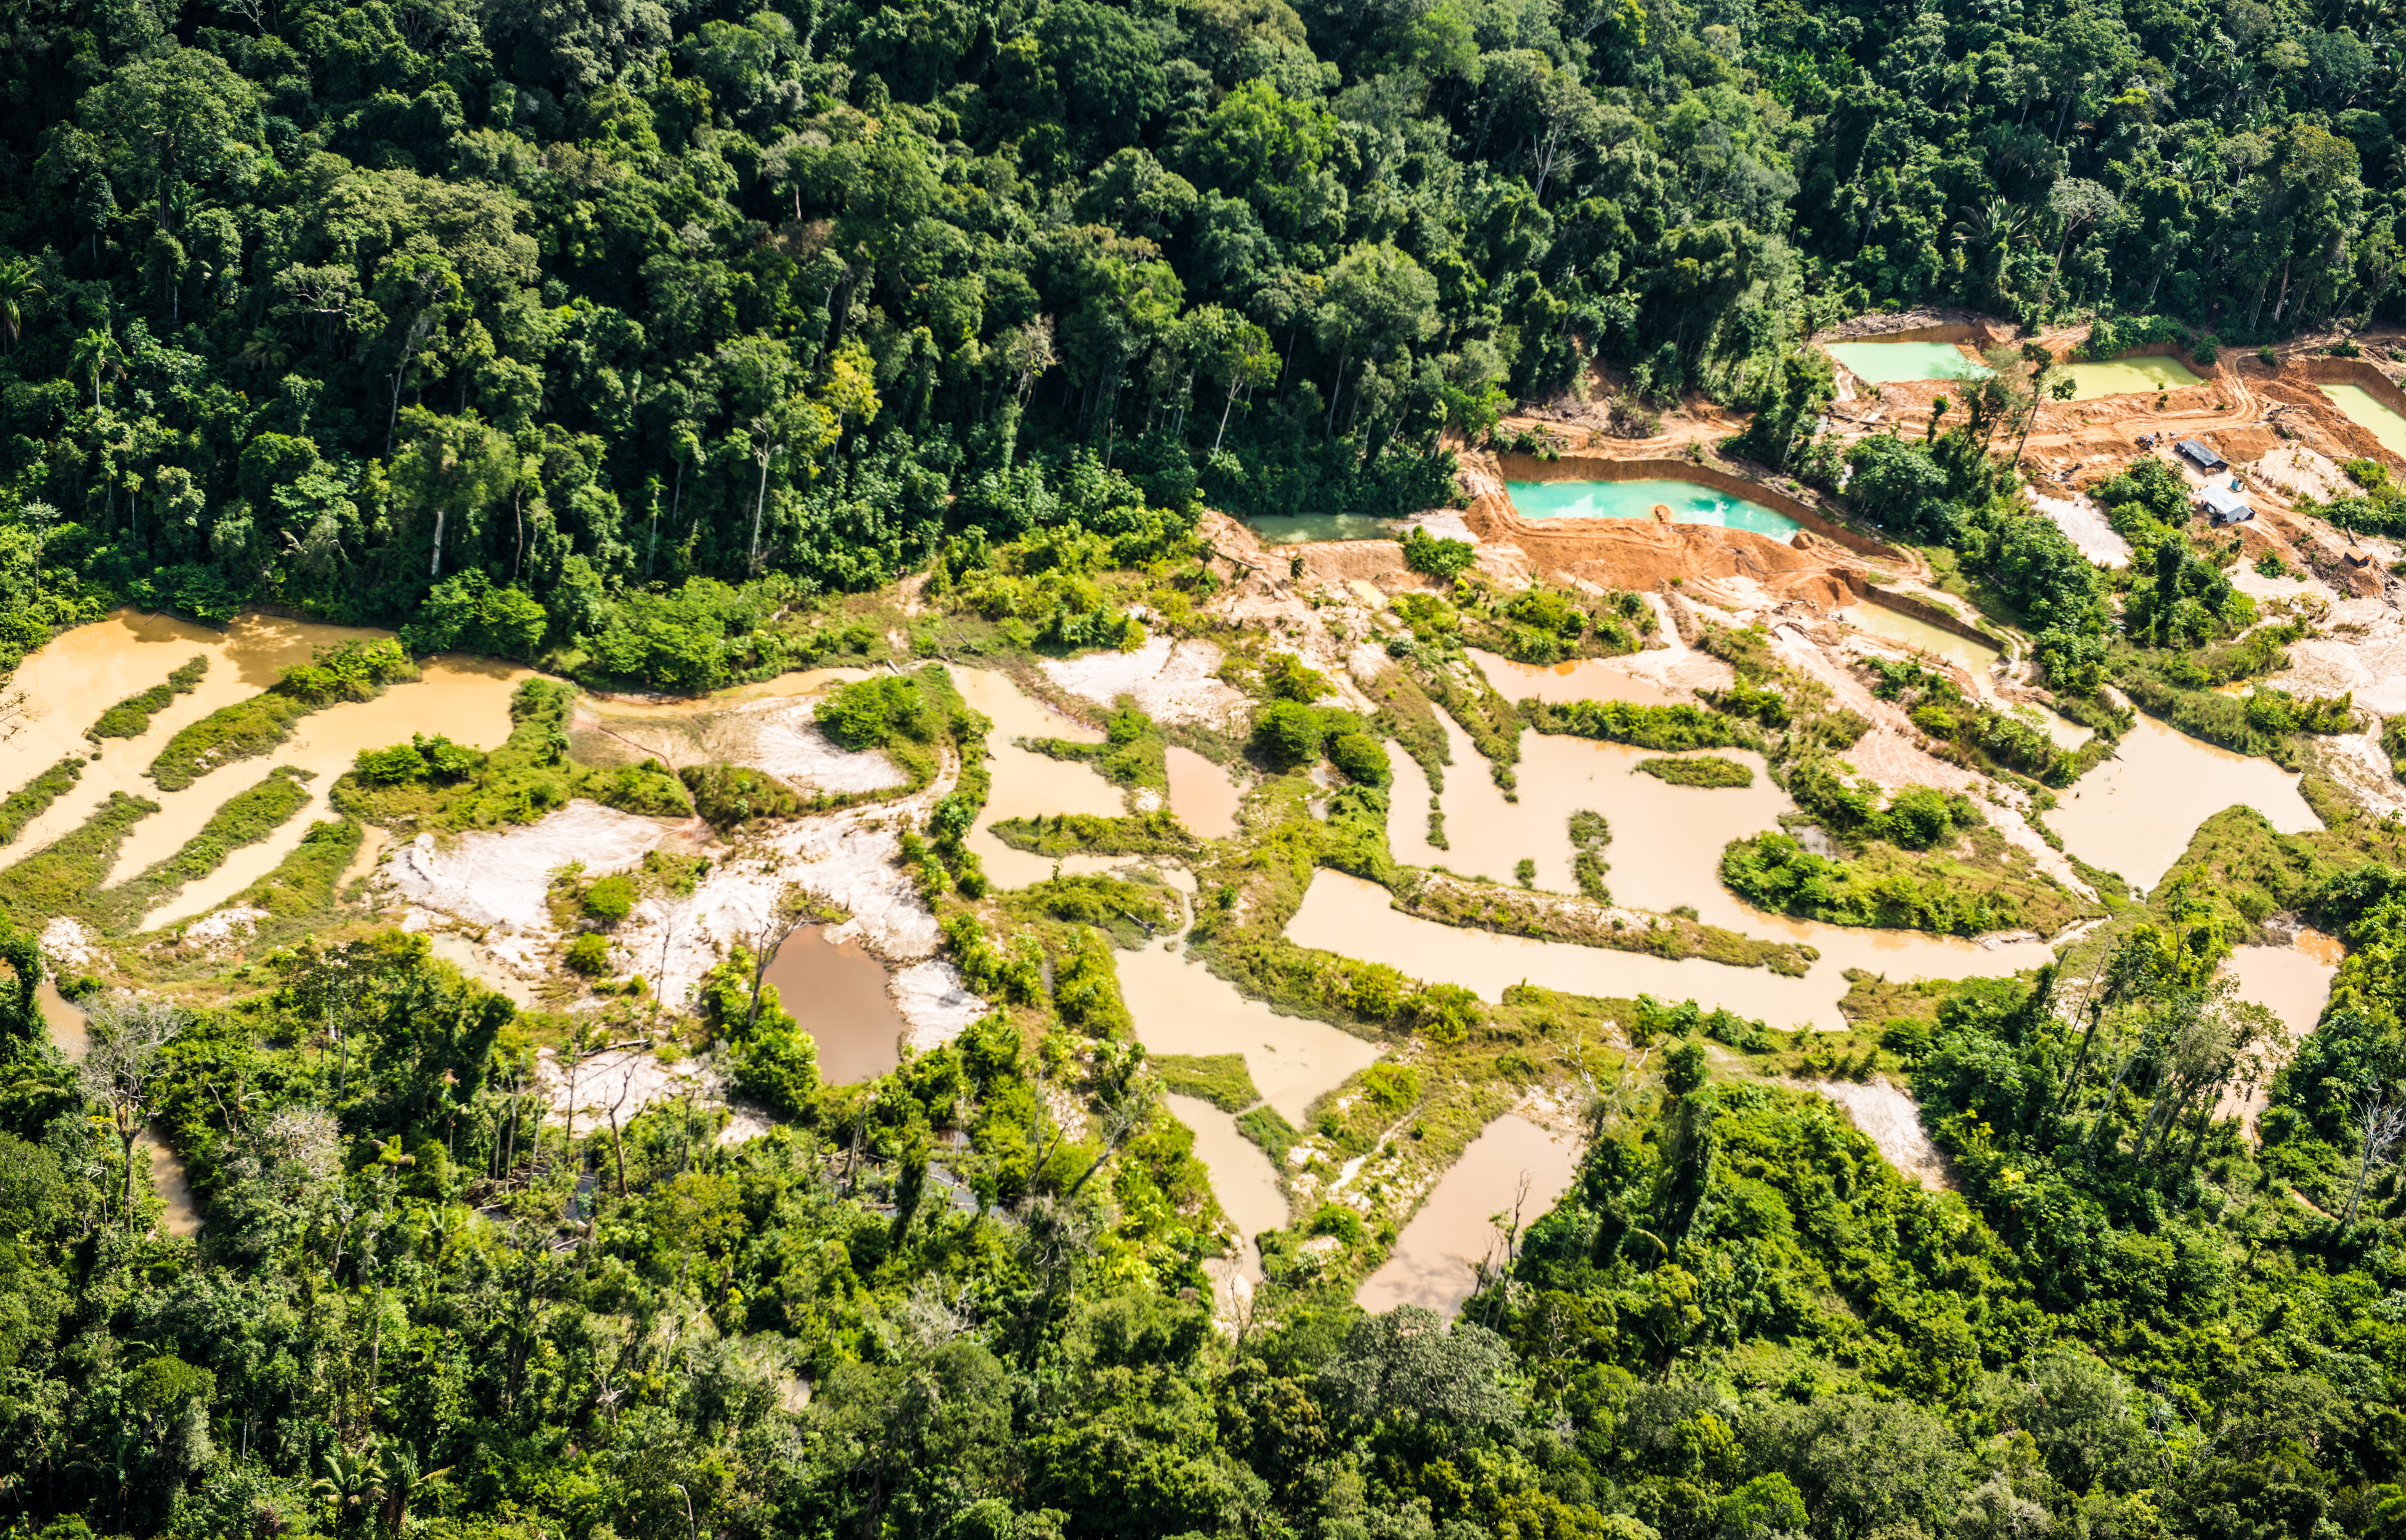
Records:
x=1181, y=1007
x=1456, y=1227
x=838, y=992
x=1201, y=794
x=182, y=1215
x=2135, y=813
x=2294, y=982
x=1665, y=853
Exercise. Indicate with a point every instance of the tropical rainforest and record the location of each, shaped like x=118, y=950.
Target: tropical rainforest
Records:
x=616, y=338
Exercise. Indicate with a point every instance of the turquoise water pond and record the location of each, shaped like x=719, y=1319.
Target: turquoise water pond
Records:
x=1886, y=362
x=1689, y=503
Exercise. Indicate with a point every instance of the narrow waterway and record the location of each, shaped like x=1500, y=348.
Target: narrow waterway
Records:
x=182, y=1217
x=1242, y=1177
x=62, y=689
x=1432, y=1264
x=838, y=992
x=1027, y=782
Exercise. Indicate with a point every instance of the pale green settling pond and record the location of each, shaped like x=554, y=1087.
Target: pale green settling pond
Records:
x=2363, y=408
x=2128, y=377
x=1689, y=503
x=1888, y=362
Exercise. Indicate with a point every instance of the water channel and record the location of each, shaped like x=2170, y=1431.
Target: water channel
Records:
x=1432, y=1263
x=67, y=684
x=182, y=1217
x=1027, y=782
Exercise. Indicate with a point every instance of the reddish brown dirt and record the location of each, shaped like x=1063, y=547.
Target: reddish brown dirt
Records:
x=1646, y=554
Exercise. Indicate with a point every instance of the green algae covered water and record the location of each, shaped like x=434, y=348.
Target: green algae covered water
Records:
x=1891, y=362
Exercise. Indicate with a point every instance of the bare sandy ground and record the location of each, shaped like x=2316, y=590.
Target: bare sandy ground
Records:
x=1170, y=682
x=1887, y=1117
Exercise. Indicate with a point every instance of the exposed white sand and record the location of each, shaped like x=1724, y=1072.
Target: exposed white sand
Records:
x=1887, y=1117
x=1170, y=681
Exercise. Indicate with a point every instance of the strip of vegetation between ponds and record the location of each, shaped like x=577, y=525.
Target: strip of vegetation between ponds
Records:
x=1470, y=904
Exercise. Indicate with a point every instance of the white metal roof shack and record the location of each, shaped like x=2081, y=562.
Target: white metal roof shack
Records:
x=2225, y=506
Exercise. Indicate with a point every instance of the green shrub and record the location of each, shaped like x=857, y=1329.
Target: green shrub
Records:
x=589, y=954
x=731, y=797
x=1287, y=679
x=131, y=716
x=871, y=713
x=609, y=899
x=1438, y=558
x=1703, y=770
x=1362, y=758
x=1287, y=735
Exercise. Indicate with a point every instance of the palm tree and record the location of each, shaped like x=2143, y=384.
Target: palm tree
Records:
x=19, y=291
x=354, y=1483
x=266, y=348
x=96, y=353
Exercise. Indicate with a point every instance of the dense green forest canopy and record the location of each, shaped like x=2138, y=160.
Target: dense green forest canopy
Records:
x=643, y=316
x=600, y=334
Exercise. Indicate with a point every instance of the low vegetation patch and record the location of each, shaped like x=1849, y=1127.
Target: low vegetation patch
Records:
x=131, y=716
x=63, y=876
x=300, y=894
x=1666, y=727
x=1058, y=834
x=1220, y=1078
x=1268, y=1127
x=1703, y=770
x=1133, y=753
x=353, y=670
x=433, y=784
x=650, y=788
x=1993, y=887
x=1131, y=912
x=2265, y=721
x=1491, y=907
x=34, y=799
x=734, y=797
x=1590, y=831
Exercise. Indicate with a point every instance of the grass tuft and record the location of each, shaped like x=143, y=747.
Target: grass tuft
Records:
x=1220, y=1078
x=131, y=717
x=32, y=799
